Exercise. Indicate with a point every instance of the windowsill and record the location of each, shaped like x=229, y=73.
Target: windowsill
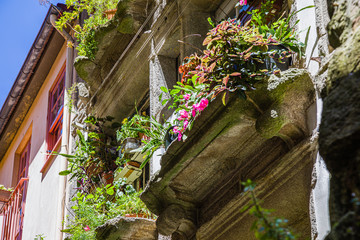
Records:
x=50, y=157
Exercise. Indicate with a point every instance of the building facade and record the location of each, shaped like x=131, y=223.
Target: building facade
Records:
x=195, y=187
x=34, y=125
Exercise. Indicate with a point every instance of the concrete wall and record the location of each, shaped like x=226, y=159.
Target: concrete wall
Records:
x=43, y=196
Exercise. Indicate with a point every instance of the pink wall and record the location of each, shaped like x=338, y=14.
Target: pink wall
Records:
x=43, y=195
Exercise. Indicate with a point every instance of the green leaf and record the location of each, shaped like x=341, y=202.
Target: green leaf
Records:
x=164, y=89
x=110, y=191
x=165, y=101
x=90, y=196
x=224, y=98
x=64, y=155
x=64, y=173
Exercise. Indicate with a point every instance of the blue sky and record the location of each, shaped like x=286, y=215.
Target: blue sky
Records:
x=20, y=22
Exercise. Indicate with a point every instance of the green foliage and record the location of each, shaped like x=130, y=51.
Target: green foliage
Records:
x=153, y=133
x=85, y=33
x=266, y=226
x=95, y=153
x=237, y=56
x=155, y=139
x=131, y=127
x=40, y=237
x=6, y=189
x=103, y=203
x=281, y=30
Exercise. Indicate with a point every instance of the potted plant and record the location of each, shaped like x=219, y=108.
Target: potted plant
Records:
x=129, y=133
x=237, y=56
x=110, y=13
x=281, y=29
x=130, y=205
x=5, y=193
x=95, y=157
x=105, y=202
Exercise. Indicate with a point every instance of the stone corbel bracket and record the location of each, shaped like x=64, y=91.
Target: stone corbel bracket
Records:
x=244, y=138
x=289, y=94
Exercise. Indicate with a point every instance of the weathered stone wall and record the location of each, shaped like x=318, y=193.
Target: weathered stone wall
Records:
x=339, y=139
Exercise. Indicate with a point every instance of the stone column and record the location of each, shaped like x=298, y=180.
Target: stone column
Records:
x=162, y=74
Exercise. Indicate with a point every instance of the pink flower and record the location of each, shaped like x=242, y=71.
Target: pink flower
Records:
x=204, y=102
x=179, y=136
x=87, y=228
x=184, y=114
x=186, y=123
x=242, y=2
x=176, y=130
x=187, y=96
x=193, y=111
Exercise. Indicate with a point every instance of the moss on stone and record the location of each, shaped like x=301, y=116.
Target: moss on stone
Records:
x=126, y=25
x=345, y=60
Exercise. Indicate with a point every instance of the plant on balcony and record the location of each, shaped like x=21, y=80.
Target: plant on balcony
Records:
x=281, y=29
x=5, y=193
x=140, y=125
x=85, y=33
x=132, y=127
x=105, y=202
x=237, y=57
x=2, y=187
x=95, y=154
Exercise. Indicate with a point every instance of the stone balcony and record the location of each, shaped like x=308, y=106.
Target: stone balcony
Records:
x=198, y=192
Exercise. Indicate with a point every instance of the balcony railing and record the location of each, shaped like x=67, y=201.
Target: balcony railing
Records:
x=13, y=212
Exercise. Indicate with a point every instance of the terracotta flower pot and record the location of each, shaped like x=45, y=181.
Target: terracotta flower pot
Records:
x=133, y=163
x=93, y=169
x=110, y=13
x=136, y=215
x=108, y=177
x=4, y=195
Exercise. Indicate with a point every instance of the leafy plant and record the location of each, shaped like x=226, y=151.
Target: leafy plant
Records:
x=153, y=131
x=95, y=154
x=230, y=63
x=281, y=29
x=40, y=237
x=85, y=33
x=105, y=202
x=266, y=226
x=234, y=61
x=189, y=101
x=131, y=127
x=155, y=139
x=6, y=189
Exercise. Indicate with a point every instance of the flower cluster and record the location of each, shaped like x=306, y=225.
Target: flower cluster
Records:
x=189, y=114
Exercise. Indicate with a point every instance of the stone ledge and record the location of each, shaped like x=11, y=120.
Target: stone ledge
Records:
x=127, y=228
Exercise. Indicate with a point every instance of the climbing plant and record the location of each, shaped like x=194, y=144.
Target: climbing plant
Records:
x=85, y=32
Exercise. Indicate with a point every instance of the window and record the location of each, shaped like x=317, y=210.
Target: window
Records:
x=55, y=111
x=24, y=162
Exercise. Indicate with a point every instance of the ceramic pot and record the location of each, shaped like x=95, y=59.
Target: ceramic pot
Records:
x=108, y=177
x=170, y=137
x=130, y=144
